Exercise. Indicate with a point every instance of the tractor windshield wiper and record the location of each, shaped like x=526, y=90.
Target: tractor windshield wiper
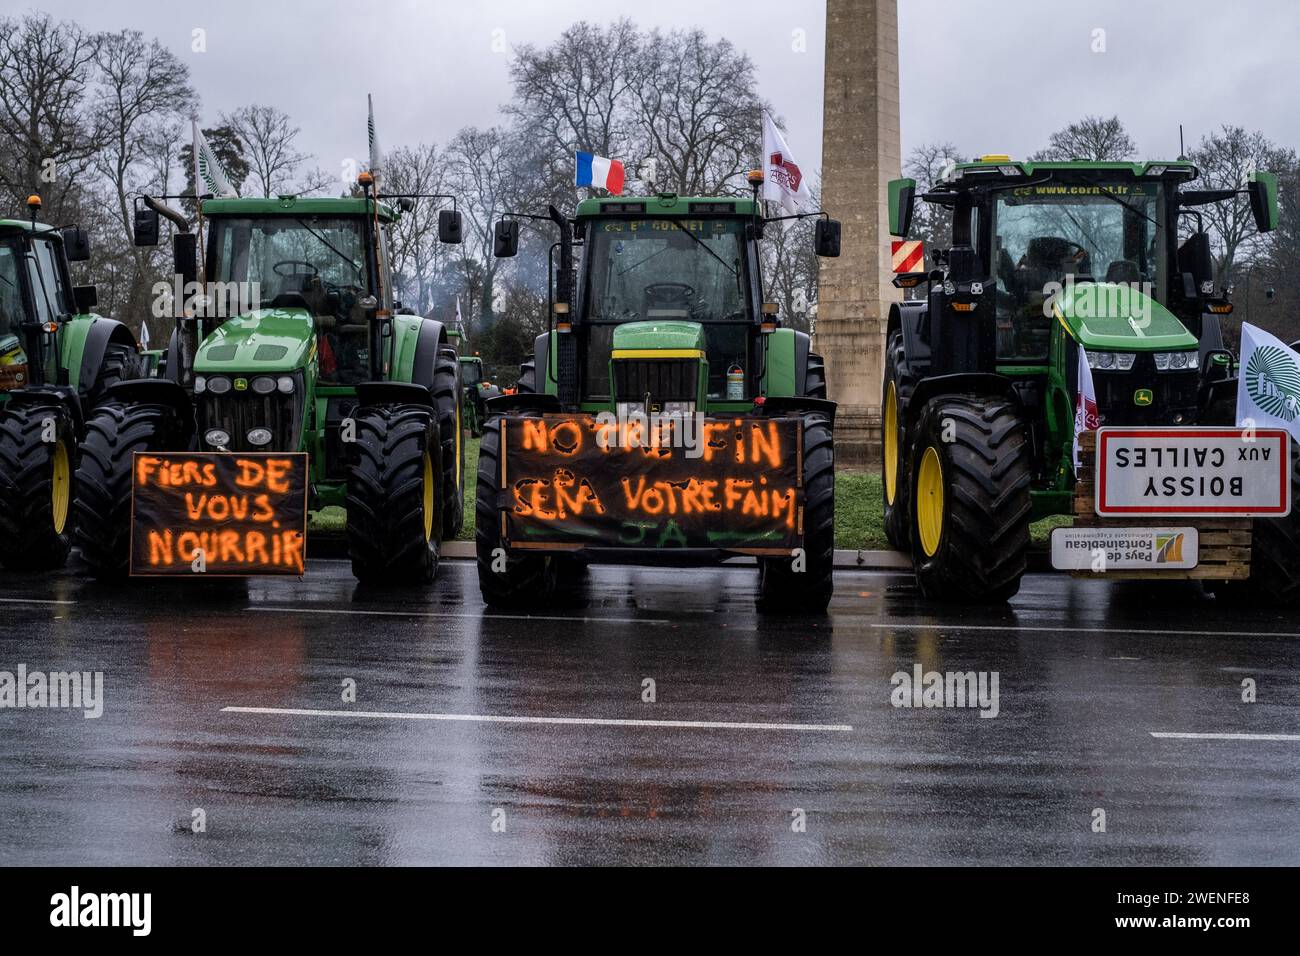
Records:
x=700, y=242
x=326, y=243
x=1114, y=198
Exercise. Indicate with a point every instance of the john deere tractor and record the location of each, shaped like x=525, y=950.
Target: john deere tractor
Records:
x=1051, y=262
x=57, y=362
x=665, y=417
x=323, y=361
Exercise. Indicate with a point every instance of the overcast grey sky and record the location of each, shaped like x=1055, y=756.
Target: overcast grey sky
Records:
x=989, y=75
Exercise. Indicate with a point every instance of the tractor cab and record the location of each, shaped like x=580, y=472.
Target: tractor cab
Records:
x=305, y=262
x=690, y=281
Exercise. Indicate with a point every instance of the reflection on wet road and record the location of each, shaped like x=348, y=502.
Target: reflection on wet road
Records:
x=663, y=721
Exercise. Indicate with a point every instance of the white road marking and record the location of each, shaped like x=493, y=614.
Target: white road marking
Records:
x=1173, y=736
x=464, y=615
x=1079, y=630
x=33, y=601
x=572, y=721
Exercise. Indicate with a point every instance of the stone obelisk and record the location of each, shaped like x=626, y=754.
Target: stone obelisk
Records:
x=860, y=154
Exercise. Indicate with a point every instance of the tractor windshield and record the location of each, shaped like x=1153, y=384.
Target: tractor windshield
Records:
x=1044, y=233
x=691, y=269
x=317, y=263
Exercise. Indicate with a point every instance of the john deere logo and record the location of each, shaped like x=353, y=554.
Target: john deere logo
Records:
x=241, y=384
x=1143, y=396
x=1273, y=382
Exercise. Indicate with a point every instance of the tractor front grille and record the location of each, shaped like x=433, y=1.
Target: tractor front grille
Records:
x=1174, y=395
x=664, y=380
x=238, y=413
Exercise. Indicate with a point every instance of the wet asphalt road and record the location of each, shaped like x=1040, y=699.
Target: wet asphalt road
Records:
x=1087, y=671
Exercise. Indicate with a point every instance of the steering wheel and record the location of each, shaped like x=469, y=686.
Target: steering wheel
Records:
x=665, y=290
x=311, y=270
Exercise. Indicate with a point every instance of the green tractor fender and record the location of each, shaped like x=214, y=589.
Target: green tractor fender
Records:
x=786, y=370
x=83, y=343
x=416, y=344
x=958, y=383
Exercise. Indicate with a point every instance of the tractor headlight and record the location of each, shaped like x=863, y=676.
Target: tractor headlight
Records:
x=218, y=385
x=1177, y=361
x=1109, y=361
x=200, y=383
x=285, y=384
x=259, y=437
x=216, y=437
x=263, y=385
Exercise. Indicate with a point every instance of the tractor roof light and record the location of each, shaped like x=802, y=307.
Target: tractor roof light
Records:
x=34, y=203
x=754, y=177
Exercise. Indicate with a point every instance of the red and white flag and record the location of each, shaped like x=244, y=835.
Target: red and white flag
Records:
x=1086, y=416
x=783, y=181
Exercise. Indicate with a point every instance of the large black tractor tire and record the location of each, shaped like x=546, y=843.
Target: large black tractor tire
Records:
x=394, y=507
x=447, y=400
x=896, y=392
x=815, y=378
x=1274, y=556
x=805, y=585
x=527, y=384
x=114, y=433
x=38, y=454
x=970, y=471
x=514, y=580
x=122, y=363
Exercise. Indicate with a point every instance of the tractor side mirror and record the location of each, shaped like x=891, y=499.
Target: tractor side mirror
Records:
x=826, y=239
x=1262, y=188
x=146, y=226
x=449, y=226
x=1194, y=259
x=902, y=199
x=85, y=297
x=76, y=244
x=505, y=239
x=185, y=248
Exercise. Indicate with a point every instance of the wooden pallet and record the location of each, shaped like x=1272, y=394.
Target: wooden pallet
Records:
x=1224, y=542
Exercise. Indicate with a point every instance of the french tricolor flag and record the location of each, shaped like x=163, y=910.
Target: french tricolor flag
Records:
x=593, y=170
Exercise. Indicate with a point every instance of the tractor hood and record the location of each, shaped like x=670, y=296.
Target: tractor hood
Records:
x=1118, y=317
x=264, y=340
x=658, y=335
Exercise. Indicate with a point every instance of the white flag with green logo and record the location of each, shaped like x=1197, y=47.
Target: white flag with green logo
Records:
x=209, y=178
x=1268, y=395
x=376, y=153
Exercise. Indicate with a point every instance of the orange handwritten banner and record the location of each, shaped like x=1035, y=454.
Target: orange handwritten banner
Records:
x=218, y=513
x=727, y=483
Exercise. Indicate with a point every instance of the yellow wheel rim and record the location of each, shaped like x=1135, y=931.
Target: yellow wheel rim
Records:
x=428, y=497
x=929, y=502
x=891, y=444
x=61, y=487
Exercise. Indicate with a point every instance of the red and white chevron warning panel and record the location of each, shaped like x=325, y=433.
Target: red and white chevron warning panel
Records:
x=909, y=255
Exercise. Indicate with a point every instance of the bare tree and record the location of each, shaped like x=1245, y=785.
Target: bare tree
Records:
x=268, y=136
x=481, y=169
x=926, y=164
x=143, y=90
x=419, y=259
x=697, y=111
x=1092, y=137
x=574, y=92
x=1223, y=159
x=48, y=139
x=790, y=267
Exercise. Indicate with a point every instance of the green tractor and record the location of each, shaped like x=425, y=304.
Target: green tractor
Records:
x=57, y=363
x=662, y=330
x=478, y=391
x=305, y=350
x=1053, y=265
